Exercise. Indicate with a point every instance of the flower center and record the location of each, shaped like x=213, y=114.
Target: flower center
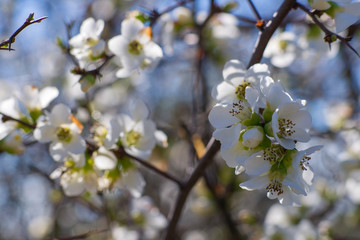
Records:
x=304, y=163
x=286, y=127
x=132, y=138
x=240, y=90
x=91, y=42
x=135, y=47
x=275, y=187
x=241, y=110
x=283, y=45
x=274, y=154
x=64, y=134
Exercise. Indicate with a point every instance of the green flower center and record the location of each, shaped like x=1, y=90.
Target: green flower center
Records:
x=283, y=44
x=240, y=90
x=135, y=47
x=91, y=42
x=132, y=138
x=274, y=154
x=64, y=134
x=286, y=127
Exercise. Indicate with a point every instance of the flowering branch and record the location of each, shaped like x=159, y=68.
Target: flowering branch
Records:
x=9, y=118
x=30, y=20
x=330, y=36
x=269, y=30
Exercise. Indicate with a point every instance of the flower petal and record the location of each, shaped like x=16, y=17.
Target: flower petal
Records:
x=46, y=95
x=258, y=182
x=234, y=72
x=220, y=117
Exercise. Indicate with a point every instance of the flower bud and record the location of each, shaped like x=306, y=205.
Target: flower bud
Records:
x=253, y=137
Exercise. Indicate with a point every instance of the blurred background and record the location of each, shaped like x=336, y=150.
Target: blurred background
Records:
x=178, y=92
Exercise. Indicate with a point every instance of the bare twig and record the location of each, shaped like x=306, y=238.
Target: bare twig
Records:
x=329, y=34
x=121, y=152
x=30, y=20
x=269, y=30
x=260, y=23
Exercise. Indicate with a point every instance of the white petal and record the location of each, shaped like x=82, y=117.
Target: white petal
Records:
x=343, y=20
x=77, y=144
x=124, y=72
x=286, y=143
x=99, y=48
x=224, y=93
x=256, y=164
x=45, y=133
x=138, y=110
x=131, y=27
x=161, y=138
x=228, y=136
x=134, y=182
x=234, y=72
x=59, y=114
x=105, y=160
x=300, y=135
x=118, y=45
x=57, y=151
x=301, y=118
x=91, y=29
x=153, y=54
x=258, y=182
x=220, y=117
x=46, y=95
x=256, y=72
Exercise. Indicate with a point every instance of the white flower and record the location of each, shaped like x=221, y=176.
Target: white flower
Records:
x=290, y=124
x=75, y=183
x=134, y=47
x=280, y=172
x=33, y=99
x=145, y=214
x=284, y=48
x=11, y=108
x=13, y=143
x=104, y=159
x=121, y=233
x=323, y=4
x=238, y=80
x=63, y=131
x=87, y=45
x=137, y=131
x=108, y=132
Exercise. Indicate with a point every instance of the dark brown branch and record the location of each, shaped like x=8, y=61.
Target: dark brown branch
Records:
x=27, y=23
x=9, y=118
x=199, y=171
x=82, y=236
x=329, y=34
x=255, y=11
x=269, y=30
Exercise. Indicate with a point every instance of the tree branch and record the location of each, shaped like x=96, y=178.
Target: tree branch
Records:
x=269, y=30
x=199, y=171
x=9, y=118
x=29, y=21
x=328, y=38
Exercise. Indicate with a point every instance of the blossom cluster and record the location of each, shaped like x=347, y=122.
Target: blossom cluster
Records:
x=132, y=50
x=258, y=124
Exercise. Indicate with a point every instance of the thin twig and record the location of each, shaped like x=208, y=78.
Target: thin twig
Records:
x=255, y=11
x=328, y=33
x=154, y=169
x=155, y=15
x=204, y=162
x=9, y=118
x=269, y=30
x=27, y=23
